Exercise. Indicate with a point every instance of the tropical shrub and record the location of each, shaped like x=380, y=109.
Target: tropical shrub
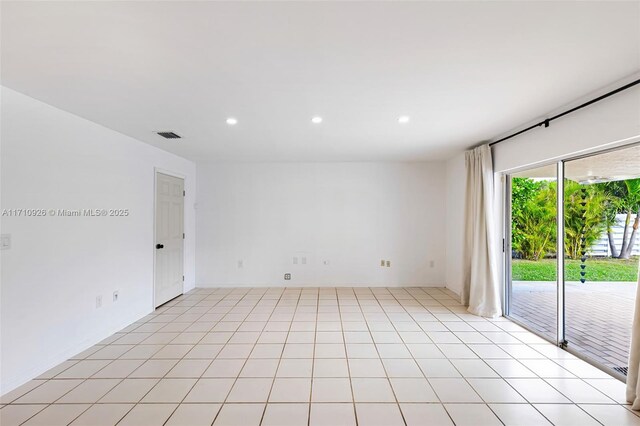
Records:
x=584, y=217
x=534, y=221
x=522, y=191
x=590, y=210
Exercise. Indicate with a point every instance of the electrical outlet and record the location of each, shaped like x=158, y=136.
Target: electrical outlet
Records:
x=388, y=263
x=98, y=302
x=382, y=263
x=240, y=264
x=287, y=276
x=115, y=296
x=304, y=260
x=295, y=260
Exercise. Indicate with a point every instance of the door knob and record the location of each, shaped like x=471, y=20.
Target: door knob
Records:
x=159, y=246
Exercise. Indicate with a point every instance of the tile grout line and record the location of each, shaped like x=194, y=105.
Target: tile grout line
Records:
x=313, y=358
x=159, y=379
x=273, y=381
x=249, y=355
x=412, y=358
x=176, y=364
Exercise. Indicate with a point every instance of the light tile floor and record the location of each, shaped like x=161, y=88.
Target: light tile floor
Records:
x=319, y=356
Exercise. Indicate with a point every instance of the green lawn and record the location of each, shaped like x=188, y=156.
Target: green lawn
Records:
x=597, y=270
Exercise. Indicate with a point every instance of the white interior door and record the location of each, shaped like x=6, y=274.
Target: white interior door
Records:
x=169, y=248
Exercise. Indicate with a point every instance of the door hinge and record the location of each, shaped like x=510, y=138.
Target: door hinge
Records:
x=183, y=235
x=184, y=192
x=183, y=278
x=503, y=245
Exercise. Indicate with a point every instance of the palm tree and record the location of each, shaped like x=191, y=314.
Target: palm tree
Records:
x=623, y=197
x=610, y=221
x=630, y=204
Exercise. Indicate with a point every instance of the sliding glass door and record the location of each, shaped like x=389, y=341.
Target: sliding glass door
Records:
x=602, y=214
x=574, y=281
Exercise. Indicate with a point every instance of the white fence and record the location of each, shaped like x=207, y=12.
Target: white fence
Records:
x=601, y=247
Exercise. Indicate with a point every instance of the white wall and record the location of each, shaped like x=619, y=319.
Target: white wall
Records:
x=610, y=122
x=351, y=215
x=58, y=265
x=455, y=202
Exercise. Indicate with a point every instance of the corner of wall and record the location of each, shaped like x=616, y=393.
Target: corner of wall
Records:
x=454, y=199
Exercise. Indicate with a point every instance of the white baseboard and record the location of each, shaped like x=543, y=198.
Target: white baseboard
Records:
x=12, y=381
x=298, y=285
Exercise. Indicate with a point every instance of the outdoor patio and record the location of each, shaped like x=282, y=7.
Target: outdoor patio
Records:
x=598, y=316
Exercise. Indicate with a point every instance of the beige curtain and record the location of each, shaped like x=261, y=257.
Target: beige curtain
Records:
x=633, y=386
x=481, y=290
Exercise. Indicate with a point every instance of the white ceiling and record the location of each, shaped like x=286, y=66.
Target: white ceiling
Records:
x=463, y=71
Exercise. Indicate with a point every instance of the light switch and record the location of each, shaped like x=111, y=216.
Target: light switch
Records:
x=5, y=241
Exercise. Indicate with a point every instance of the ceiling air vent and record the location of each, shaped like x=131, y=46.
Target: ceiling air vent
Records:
x=169, y=135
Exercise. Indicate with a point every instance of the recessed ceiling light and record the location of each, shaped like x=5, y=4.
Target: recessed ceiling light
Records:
x=403, y=119
x=316, y=120
x=232, y=121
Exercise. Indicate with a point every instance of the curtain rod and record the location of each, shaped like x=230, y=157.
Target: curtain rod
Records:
x=546, y=122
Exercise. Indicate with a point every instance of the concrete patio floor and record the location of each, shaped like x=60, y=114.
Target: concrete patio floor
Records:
x=598, y=316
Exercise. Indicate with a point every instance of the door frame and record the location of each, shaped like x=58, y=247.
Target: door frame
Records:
x=156, y=171
x=507, y=248
x=506, y=243
x=560, y=264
